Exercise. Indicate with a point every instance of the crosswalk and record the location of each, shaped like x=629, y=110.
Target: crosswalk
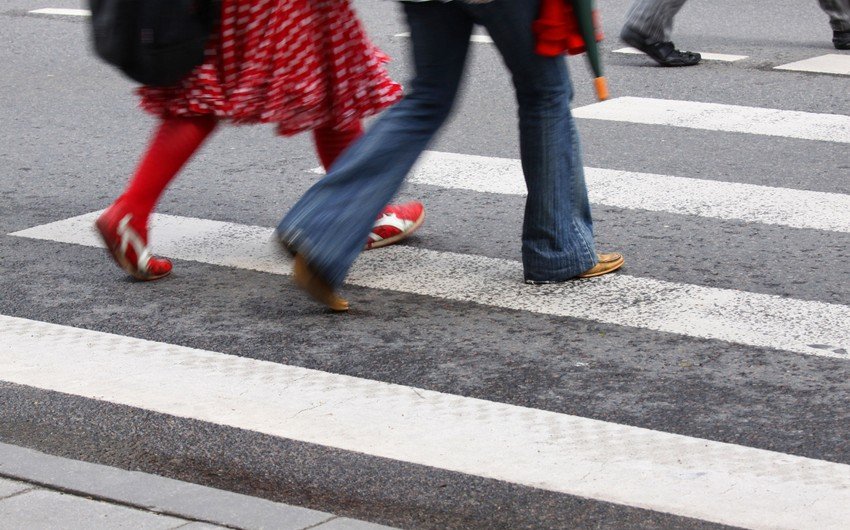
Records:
x=643, y=468
x=705, y=477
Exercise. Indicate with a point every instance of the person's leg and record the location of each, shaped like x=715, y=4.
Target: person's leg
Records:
x=839, y=20
x=328, y=225
x=396, y=222
x=839, y=13
x=124, y=225
x=653, y=18
x=331, y=141
x=557, y=238
x=173, y=144
x=649, y=28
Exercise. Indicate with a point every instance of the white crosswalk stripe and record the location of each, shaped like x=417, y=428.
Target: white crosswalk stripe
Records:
x=724, y=57
x=831, y=63
x=720, y=117
x=638, y=467
x=646, y=191
x=812, y=328
x=55, y=11
x=481, y=39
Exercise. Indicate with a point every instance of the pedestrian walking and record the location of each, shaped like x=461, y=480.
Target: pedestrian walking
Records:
x=839, y=19
x=557, y=234
x=649, y=27
x=299, y=64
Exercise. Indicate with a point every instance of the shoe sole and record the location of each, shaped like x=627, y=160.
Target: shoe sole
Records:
x=400, y=237
x=122, y=262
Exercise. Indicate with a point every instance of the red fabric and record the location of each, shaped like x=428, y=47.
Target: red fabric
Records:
x=300, y=64
x=557, y=29
x=173, y=144
x=331, y=142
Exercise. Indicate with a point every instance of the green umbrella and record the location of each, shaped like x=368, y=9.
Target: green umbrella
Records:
x=584, y=14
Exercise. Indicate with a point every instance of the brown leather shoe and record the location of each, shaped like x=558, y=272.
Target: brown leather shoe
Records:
x=314, y=285
x=607, y=263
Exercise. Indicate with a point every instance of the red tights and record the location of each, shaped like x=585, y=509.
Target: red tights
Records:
x=330, y=143
x=177, y=139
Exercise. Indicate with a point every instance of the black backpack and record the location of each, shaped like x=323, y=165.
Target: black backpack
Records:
x=155, y=42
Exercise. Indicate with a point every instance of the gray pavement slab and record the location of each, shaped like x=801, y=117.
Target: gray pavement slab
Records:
x=42, y=509
x=347, y=524
x=11, y=487
x=144, y=491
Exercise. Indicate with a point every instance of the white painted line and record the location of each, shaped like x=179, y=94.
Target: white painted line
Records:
x=483, y=39
x=62, y=12
x=831, y=63
x=807, y=327
x=647, y=191
x=707, y=56
x=686, y=476
x=719, y=117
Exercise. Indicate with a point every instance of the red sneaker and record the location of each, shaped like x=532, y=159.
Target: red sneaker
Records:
x=396, y=223
x=127, y=243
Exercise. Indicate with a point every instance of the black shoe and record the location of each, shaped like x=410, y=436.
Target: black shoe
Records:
x=841, y=40
x=664, y=53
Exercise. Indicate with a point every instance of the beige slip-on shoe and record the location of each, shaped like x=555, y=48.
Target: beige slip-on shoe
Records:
x=314, y=285
x=607, y=263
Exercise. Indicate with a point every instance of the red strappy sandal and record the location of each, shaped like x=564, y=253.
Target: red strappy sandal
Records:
x=128, y=245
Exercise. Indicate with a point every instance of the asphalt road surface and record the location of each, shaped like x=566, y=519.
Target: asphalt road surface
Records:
x=705, y=384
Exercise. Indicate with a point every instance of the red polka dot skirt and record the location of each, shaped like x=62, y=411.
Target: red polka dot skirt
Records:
x=300, y=64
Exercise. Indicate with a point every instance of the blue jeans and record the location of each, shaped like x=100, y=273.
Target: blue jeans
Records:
x=333, y=219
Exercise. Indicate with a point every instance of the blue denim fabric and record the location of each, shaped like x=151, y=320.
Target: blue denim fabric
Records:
x=331, y=222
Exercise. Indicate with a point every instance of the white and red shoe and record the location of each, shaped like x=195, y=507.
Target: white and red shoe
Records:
x=395, y=224
x=126, y=240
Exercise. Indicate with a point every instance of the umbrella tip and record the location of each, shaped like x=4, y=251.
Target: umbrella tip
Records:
x=601, y=88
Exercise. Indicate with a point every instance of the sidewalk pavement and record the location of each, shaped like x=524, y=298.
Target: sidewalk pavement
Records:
x=40, y=491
